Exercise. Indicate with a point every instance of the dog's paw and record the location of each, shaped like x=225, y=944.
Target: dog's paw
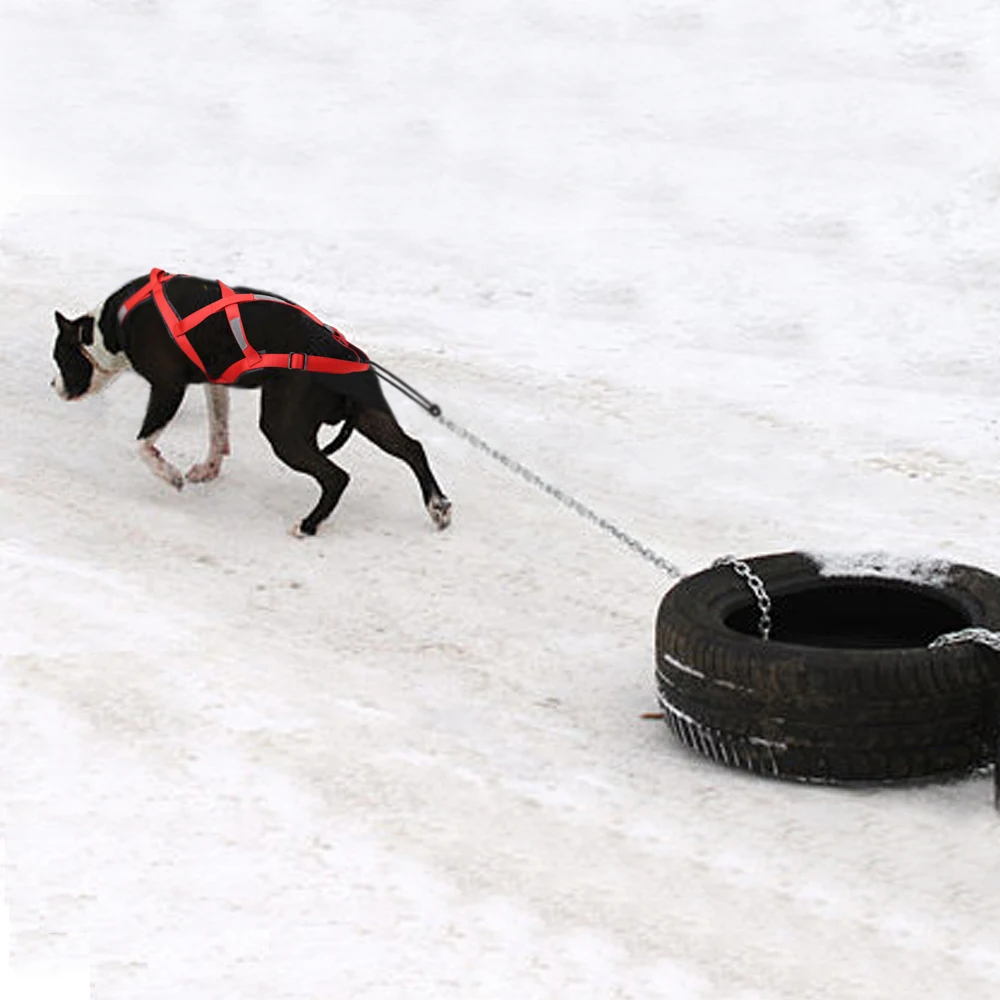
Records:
x=301, y=530
x=440, y=511
x=171, y=475
x=159, y=466
x=204, y=471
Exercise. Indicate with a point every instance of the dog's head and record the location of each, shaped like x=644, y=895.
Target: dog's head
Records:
x=85, y=364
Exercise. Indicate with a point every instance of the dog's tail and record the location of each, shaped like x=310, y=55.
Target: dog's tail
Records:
x=341, y=439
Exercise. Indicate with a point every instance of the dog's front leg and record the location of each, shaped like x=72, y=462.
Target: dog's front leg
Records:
x=217, y=402
x=163, y=404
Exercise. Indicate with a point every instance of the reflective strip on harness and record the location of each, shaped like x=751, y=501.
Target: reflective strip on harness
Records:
x=236, y=325
x=230, y=302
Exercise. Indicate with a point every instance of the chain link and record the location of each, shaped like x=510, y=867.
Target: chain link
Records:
x=528, y=476
x=757, y=588
x=564, y=498
x=983, y=636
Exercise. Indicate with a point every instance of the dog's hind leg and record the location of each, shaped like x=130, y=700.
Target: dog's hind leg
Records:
x=383, y=430
x=292, y=433
x=163, y=404
x=217, y=404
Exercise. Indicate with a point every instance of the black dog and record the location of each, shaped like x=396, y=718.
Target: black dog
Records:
x=94, y=348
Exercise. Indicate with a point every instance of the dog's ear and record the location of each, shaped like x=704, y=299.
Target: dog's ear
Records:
x=81, y=330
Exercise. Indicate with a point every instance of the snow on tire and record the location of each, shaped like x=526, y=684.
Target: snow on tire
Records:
x=845, y=689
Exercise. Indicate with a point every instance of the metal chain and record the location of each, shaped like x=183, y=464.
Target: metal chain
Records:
x=526, y=474
x=981, y=635
x=757, y=588
x=564, y=498
x=984, y=636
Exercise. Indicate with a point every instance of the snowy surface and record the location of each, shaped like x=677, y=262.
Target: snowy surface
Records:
x=888, y=565
x=727, y=271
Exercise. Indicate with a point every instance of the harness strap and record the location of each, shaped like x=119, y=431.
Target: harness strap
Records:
x=296, y=362
x=230, y=301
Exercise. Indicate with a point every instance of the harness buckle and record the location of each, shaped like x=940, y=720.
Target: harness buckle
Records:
x=298, y=365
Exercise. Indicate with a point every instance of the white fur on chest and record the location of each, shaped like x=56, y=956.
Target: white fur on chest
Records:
x=107, y=364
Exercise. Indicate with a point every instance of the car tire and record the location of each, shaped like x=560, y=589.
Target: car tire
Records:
x=845, y=689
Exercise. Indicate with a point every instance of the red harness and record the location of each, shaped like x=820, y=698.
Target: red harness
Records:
x=230, y=301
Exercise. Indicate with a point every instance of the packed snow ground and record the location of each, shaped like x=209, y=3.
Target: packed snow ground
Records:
x=727, y=271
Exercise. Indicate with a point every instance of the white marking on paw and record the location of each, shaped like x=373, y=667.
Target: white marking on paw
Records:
x=296, y=530
x=205, y=471
x=440, y=511
x=218, y=418
x=217, y=400
x=158, y=465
